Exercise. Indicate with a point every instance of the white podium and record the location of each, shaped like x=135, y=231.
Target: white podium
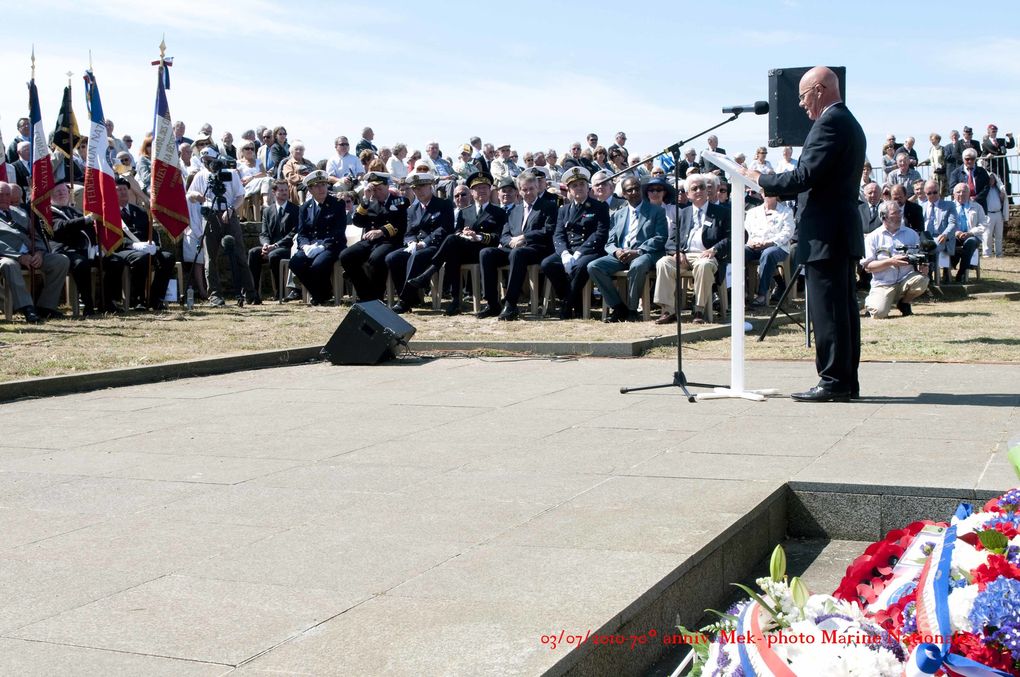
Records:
x=736, y=389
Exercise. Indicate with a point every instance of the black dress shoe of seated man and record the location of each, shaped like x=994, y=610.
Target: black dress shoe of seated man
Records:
x=488, y=310
x=31, y=316
x=819, y=394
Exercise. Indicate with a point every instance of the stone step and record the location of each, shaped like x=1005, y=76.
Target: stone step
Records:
x=993, y=295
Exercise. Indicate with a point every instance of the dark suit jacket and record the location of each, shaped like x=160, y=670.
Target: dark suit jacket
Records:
x=582, y=228
x=434, y=225
x=959, y=175
x=71, y=230
x=913, y=216
x=954, y=157
x=488, y=223
x=22, y=175
x=830, y=168
x=537, y=230
x=716, y=233
x=278, y=231
x=389, y=217
x=1000, y=147
x=685, y=166
x=329, y=226
x=706, y=165
x=137, y=221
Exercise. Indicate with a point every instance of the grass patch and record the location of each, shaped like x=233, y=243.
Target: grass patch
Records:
x=965, y=330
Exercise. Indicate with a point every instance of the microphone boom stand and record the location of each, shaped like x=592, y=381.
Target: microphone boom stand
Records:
x=679, y=378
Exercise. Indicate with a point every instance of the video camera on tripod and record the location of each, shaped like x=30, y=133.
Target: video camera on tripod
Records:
x=219, y=176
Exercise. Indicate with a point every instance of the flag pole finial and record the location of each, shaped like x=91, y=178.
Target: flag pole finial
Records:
x=70, y=74
x=162, y=49
x=90, y=59
x=33, y=62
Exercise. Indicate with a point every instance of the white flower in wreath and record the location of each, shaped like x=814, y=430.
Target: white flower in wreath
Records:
x=966, y=558
x=961, y=602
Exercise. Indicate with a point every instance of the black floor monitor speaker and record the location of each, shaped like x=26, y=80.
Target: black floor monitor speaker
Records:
x=788, y=123
x=369, y=334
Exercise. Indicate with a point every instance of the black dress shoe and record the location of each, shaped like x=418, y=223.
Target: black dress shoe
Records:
x=423, y=280
x=509, y=314
x=400, y=307
x=566, y=312
x=619, y=313
x=451, y=309
x=159, y=306
x=904, y=308
x=256, y=300
x=49, y=314
x=293, y=295
x=488, y=310
x=819, y=394
x=31, y=316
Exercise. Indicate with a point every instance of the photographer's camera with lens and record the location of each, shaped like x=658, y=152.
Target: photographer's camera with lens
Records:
x=915, y=257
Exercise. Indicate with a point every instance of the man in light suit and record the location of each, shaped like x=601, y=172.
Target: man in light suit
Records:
x=637, y=239
x=939, y=218
x=17, y=252
x=971, y=223
x=525, y=241
x=829, y=231
x=870, y=220
x=699, y=243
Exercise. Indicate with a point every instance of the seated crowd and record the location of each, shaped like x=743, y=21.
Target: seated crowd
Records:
x=601, y=216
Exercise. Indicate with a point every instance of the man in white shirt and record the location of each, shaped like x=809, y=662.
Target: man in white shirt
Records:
x=344, y=167
x=769, y=228
x=894, y=280
x=971, y=224
x=222, y=228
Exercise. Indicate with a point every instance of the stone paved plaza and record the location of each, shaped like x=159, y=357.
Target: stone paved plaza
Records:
x=435, y=518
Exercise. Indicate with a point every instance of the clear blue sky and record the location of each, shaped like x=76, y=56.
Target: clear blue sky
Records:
x=534, y=74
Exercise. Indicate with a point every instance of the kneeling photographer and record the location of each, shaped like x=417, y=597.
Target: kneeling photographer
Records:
x=897, y=263
x=218, y=188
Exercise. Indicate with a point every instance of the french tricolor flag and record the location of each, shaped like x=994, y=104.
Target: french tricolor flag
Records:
x=168, y=201
x=100, y=188
x=42, y=170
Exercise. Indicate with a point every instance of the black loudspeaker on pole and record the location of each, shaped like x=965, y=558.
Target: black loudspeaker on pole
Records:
x=788, y=125
x=369, y=334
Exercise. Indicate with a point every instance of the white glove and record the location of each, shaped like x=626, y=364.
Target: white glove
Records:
x=147, y=247
x=568, y=261
x=311, y=250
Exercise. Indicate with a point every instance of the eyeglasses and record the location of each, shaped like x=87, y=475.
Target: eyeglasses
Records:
x=931, y=192
x=343, y=144
x=656, y=189
x=632, y=189
x=724, y=190
x=808, y=91
x=282, y=133
x=696, y=186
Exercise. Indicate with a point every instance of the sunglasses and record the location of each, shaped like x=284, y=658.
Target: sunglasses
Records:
x=343, y=144
x=724, y=190
x=931, y=192
x=656, y=189
x=695, y=187
x=631, y=190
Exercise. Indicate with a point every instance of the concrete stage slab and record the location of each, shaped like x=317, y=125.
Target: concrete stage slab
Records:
x=430, y=518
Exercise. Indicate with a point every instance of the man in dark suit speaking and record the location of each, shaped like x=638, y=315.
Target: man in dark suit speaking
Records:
x=829, y=233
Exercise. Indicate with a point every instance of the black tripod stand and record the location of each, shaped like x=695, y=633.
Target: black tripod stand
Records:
x=679, y=378
x=806, y=326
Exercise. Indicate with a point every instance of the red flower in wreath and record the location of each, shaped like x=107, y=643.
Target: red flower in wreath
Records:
x=867, y=575
x=996, y=566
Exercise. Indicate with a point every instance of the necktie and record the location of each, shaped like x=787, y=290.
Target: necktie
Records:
x=970, y=181
x=874, y=212
x=631, y=231
x=961, y=221
x=931, y=218
x=527, y=213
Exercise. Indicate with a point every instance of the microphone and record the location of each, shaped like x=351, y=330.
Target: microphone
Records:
x=759, y=108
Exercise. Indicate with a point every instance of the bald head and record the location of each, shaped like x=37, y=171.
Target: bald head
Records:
x=819, y=88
